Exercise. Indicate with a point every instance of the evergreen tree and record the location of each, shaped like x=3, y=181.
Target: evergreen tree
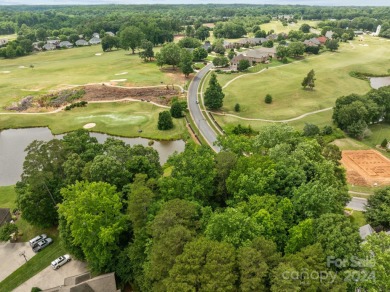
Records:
x=213, y=97
x=309, y=80
x=268, y=98
x=237, y=107
x=186, y=62
x=165, y=121
x=176, y=110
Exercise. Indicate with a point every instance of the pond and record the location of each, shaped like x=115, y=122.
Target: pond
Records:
x=378, y=82
x=14, y=141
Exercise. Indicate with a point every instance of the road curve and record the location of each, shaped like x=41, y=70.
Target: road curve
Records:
x=358, y=204
x=197, y=116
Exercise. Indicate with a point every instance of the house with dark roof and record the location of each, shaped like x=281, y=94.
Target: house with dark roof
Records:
x=5, y=216
x=85, y=283
x=81, y=43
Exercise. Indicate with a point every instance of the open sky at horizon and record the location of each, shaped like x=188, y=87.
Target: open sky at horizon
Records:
x=278, y=2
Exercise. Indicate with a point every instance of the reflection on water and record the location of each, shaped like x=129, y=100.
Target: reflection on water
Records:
x=14, y=141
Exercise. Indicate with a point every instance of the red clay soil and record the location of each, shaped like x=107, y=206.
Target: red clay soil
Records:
x=160, y=95
x=366, y=167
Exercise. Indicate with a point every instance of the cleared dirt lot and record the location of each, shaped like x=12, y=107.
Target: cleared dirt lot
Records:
x=366, y=167
x=10, y=260
x=49, y=278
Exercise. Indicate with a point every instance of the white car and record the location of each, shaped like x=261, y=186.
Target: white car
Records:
x=35, y=240
x=62, y=260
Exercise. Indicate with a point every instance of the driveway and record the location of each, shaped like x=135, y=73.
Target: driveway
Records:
x=358, y=204
x=10, y=258
x=49, y=278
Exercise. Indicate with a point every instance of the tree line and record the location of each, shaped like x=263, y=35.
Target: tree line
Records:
x=269, y=204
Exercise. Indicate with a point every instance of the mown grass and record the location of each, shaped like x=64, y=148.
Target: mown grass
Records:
x=7, y=197
x=120, y=119
x=36, y=264
x=284, y=83
x=58, y=69
x=357, y=218
x=278, y=27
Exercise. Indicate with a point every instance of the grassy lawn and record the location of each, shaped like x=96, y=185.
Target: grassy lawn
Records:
x=379, y=132
x=7, y=197
x=120, y=119
x=350, y=144
x=358, y=219
x=36, y=264
x=278, y=27
x=58, y=69
x=283, y=83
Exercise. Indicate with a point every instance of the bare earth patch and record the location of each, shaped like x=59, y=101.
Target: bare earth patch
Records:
x=122, y=73
x=161, y=95
x=5, y=72
x=89, y=126
x=366, y=167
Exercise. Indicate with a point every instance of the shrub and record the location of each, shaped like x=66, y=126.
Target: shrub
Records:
x=384, y=143
x=310, y=130
x=268, y=98
x=176, y=110
x=237, y=107
x=327, y=130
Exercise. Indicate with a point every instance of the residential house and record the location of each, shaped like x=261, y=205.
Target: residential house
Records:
x=250, y=42
x=5, y=216
x=365, y=231
x=206, y=45
x=3, y=42
x=95, y=35
x=322, y=40
x=53, y=42
x=36, y=46
x=95, y=41
x=228, y=45
x=65, y=44
x=49, y=47
x=358, y=32
x=313, y=42
x=81, y=43
x=272, y=37
x=329, y=34
x=110, y=33
x=85, y=283
x=256, y=56
x=285, y=16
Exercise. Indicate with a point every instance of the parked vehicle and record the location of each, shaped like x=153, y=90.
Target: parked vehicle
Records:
x=42, y=244
x=62, y=260
x=36, y=239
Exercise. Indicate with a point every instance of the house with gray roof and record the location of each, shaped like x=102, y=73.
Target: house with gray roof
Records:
x=3, y=42
x=313, y=42
x=5, y=216
x=329, y=34
x=65, y=44
x=96, y=35
x=95, y=41
x=81, y=43
x=256, y=56
x=49, y=47
x=206, y=45
x=365, y=231
x=53, y=42
x=110, y=33
x=85, y=283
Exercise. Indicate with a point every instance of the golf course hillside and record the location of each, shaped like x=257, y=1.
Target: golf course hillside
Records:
x=49, y=71
x=290, y=102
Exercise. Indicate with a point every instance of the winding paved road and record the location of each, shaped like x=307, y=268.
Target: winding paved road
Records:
x=358, y=204
x=194, y=106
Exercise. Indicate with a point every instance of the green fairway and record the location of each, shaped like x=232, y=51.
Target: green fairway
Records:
x=284, y=83
x=278, y=27
x=7, y=197
x=58, y=69
x=116, y=118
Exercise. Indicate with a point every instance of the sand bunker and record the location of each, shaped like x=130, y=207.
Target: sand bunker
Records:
x=118, y=80
x=5, y=72
x=89, y=126
x=22, y=67
x=122, y=73
x=98, y=54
